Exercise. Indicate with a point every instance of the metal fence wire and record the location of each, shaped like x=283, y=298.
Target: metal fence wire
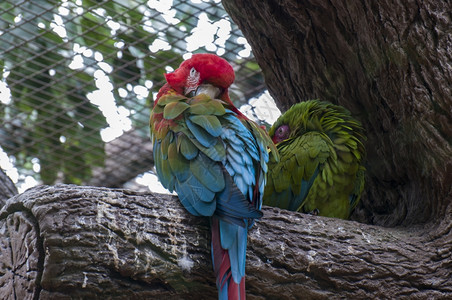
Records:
x=78, y=78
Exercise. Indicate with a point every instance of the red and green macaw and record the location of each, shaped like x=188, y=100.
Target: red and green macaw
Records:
x=320, y=170
x=214, y=158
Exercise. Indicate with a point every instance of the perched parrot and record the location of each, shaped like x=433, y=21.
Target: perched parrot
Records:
x=320, y=170
x=214, y=158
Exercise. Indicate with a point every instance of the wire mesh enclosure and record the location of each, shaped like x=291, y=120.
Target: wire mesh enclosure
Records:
x=78, y=78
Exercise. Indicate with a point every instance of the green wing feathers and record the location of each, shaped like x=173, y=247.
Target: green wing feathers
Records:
x=300, y=158
x=321, y=161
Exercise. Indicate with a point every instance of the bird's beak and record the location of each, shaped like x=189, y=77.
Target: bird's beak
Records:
x=190, y=91
x=208, y=89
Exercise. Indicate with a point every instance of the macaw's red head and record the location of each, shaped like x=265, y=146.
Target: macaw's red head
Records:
x=207, y=73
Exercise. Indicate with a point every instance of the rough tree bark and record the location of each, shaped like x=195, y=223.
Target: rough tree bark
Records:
x=390, y=63
x=7, y=188
x=70, y=242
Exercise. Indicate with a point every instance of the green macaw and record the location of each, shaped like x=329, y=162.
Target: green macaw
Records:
x=320, y=170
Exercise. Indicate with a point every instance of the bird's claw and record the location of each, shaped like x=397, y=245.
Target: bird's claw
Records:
x=314, y=212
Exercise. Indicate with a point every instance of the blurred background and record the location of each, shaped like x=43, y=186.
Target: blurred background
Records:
x=78, y=79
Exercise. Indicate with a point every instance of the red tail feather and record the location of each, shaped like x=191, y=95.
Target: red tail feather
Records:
x=236, y=291
x=222, y=267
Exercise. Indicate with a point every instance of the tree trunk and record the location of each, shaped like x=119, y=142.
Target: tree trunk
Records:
x=7, y=188
x=69, y=242
x=126, y=157
x=390, y=63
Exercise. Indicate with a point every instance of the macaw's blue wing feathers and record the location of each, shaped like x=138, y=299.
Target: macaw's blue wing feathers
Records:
x=179, y=165
x=163, y=167
x=186, y=147
x=195, y=197
x=211, y=124
x=217, y=152
x=208, y=172
x=233, y=206
x=200, y=134
x=240, y=135
x=203, y=152
x=243, y=153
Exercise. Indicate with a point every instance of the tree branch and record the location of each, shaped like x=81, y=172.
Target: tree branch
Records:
x=126, y=157
x=92, y=242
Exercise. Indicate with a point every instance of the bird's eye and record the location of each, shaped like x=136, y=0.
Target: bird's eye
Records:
x=282, y=132
x=193, y=72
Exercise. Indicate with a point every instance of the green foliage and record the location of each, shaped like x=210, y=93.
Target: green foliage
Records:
x=49, y=114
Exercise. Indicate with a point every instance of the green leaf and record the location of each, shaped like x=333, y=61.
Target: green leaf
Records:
x=90, y=3
x=51, y=36
x=97, y=35
x=125, y=69
x=8, y=14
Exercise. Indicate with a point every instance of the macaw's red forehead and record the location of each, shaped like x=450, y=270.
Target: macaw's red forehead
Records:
x=212, y=69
